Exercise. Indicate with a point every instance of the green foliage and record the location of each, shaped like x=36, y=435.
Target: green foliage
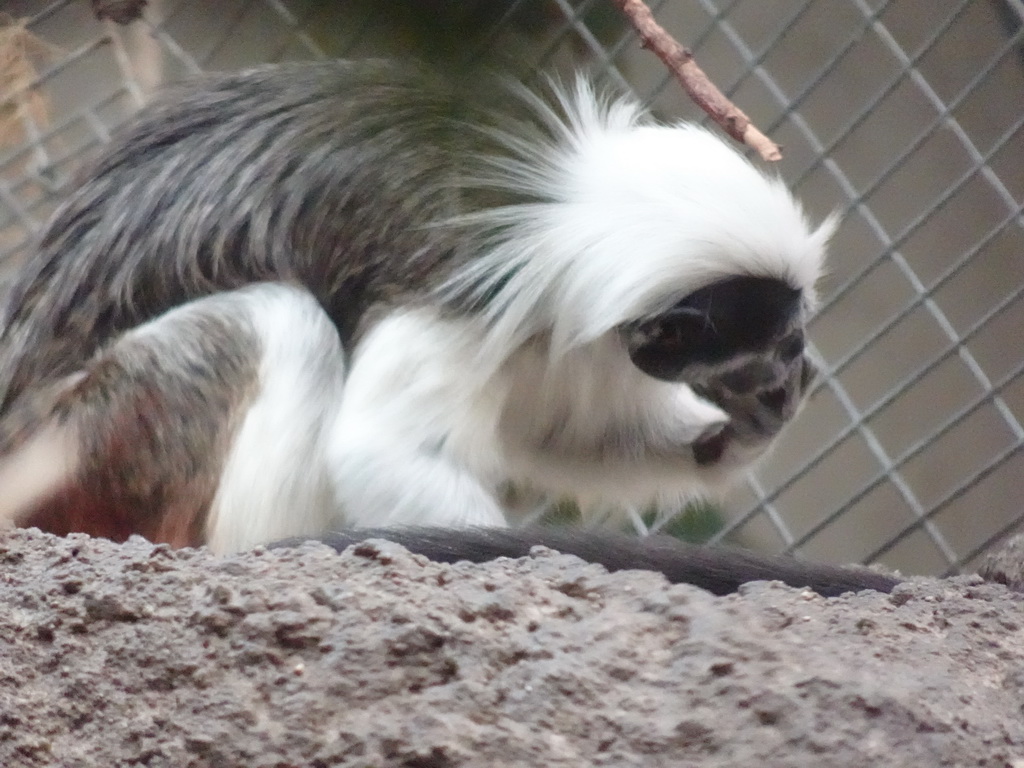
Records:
x=507, y=35
x=696, y=523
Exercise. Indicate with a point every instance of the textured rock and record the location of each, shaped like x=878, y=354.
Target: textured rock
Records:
x=140, y=655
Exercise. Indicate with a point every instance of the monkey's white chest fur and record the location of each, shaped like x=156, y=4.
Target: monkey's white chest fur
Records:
x=421, y=429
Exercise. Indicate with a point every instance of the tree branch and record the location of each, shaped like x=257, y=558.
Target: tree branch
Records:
x=704, y=93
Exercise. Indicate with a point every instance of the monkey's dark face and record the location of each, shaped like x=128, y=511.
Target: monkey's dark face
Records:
x=716, y=325
x=739, y=343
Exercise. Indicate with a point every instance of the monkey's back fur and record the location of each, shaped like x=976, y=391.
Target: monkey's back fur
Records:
x=272, y=174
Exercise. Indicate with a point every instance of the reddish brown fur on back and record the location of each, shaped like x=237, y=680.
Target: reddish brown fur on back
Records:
x=77, y=511
x=151, y=419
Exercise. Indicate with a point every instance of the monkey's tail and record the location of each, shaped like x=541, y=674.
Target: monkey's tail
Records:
x=720, y=570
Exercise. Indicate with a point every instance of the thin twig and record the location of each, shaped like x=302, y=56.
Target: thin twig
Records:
x=704, y=93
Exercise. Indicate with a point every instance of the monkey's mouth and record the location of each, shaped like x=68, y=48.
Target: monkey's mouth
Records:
x=755, y=416
x=710, y=450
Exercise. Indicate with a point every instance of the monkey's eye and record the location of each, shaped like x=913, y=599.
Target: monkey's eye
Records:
x=682, y=327
x=663, y=346
x=716, y=323
x=791, y=347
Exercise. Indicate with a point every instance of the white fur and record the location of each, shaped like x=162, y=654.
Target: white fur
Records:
x=275, y=483
x=424, y=436
x=414, y=440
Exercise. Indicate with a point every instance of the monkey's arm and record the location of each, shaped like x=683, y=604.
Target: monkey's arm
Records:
x=719, y=570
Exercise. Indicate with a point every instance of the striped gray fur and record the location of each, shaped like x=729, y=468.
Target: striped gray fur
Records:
x=272, y=174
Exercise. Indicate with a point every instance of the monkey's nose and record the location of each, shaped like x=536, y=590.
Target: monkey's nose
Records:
x=774, y=400
x=760, y=397
x=756, y=375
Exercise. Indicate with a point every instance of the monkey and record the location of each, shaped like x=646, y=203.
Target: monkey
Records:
x=349, y=299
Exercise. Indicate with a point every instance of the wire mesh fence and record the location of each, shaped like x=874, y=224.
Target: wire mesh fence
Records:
x=905, y=116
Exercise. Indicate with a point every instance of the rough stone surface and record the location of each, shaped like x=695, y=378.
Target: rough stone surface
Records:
x=136, y=655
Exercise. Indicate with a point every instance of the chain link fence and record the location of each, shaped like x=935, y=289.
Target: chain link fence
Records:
x=906, y=116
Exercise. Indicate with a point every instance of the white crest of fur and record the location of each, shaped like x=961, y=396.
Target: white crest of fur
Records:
x=630, y=217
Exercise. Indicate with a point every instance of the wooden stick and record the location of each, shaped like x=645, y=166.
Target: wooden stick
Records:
x=704, y=93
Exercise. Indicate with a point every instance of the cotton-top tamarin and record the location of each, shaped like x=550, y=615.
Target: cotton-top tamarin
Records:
x=324, y=297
